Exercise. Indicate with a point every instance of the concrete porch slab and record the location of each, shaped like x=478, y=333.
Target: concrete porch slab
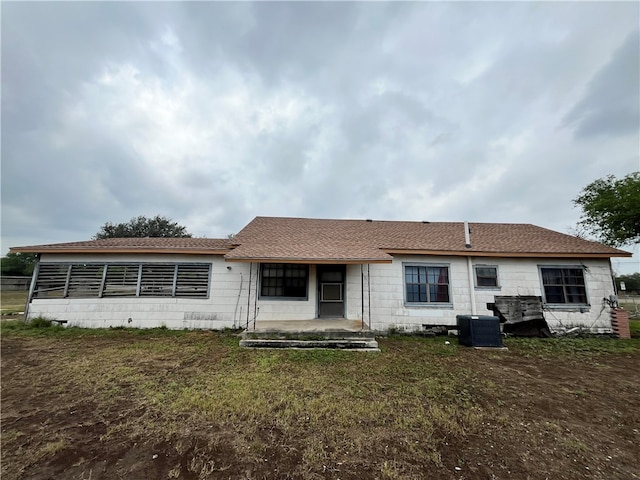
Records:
x=323, y=333
x=318, y=325
x=351, y=344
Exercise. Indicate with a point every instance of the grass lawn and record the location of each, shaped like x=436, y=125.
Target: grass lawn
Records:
x=12, y=301
x=173, y=404
x=632, y=308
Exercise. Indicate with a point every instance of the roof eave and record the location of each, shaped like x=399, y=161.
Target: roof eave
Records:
x=475, y=253
x=310, y=261
x=185, y=251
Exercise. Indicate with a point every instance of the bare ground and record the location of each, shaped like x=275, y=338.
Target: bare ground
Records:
x=158, y=406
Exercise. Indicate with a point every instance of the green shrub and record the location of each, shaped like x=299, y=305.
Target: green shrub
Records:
x=40, y=322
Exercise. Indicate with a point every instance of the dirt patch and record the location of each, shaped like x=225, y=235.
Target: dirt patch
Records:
x=153, y=406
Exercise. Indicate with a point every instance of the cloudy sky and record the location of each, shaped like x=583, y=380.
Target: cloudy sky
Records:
x=213, y=113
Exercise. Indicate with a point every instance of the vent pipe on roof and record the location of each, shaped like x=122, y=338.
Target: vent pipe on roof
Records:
x=467, y=235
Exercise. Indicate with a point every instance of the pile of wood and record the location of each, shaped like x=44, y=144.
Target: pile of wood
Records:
x=521, y=315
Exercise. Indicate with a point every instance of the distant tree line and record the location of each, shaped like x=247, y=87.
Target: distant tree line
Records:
x=141, y=227
x=18, y=264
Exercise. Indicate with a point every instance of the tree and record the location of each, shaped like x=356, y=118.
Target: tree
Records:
x=141, y=227
x=611, y=209
x=18, y=264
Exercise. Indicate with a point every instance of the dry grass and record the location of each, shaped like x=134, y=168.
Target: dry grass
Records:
x=12, y=301
x=214, y=410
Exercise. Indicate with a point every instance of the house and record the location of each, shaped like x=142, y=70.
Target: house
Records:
x=380, y=274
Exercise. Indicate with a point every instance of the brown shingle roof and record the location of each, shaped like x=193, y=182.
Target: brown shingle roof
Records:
x=300, y=239
x=278, y=239
x=135, y=245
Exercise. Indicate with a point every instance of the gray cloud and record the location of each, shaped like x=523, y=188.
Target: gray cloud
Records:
x=611, y=105
x=214, y=112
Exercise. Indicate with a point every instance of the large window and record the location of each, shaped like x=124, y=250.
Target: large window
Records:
x=564, y=285
x=486, y=276
x=427, y=284
x=284, y=280
x=52, y=280
x=83, y=280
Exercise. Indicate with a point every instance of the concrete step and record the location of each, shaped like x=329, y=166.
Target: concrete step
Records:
x=353, y=343
x=307, y=334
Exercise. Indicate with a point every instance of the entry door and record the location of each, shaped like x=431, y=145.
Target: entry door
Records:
x=331, y=290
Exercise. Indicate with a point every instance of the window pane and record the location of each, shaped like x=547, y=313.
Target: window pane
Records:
x=486, y=271
x=121, y=280
x=427, y=284
x=439, y=293
x=487, y=282
x=422, y=293
x=554, y=294
x=576, y=294
x=283, y=280
x=422, y=274
x=433, y=275
x=157, y=280
x=411, y=274
x=193, y=281
x=551, y=276
x=51, y=281
x=564, y=285
x=486, y=276
x=85, y=280
x=573, y=277
x=438, y=275
x=412, y=293
x=331, y=292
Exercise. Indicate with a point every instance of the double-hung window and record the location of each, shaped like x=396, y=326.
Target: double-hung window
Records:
x=564, y=285
x=426, y=284
x=284, y=280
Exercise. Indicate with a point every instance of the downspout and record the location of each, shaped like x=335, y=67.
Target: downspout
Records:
x=472, y=291
x=362, y=294
x=613, y=278
x=256, y=309
x=249, y=294
x=369, y=288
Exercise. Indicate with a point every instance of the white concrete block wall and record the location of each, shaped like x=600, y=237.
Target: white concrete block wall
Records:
x=516, y=277
x=226, y=306
x=231, y=304
x=353, y=294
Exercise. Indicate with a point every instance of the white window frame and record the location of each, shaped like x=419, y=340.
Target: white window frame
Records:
x=428, y=304
x=278, y=298
x=486, y=287
x=565, y=306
